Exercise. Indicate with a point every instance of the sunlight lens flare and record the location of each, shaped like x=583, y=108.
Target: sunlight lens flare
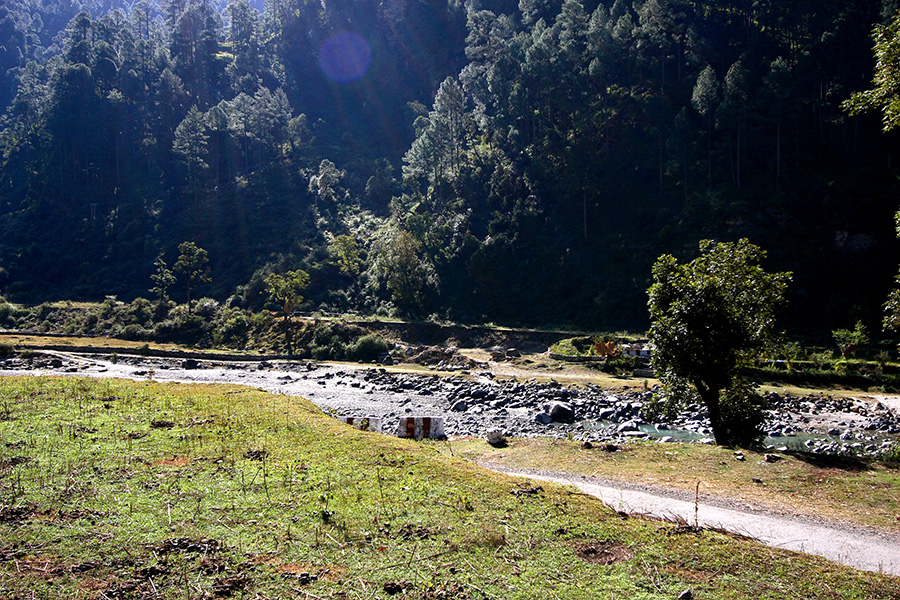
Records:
x=345, y=57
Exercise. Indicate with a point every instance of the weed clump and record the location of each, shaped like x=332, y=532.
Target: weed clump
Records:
x=891, y=458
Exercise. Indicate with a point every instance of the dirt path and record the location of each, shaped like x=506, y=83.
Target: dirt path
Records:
x=857, y=547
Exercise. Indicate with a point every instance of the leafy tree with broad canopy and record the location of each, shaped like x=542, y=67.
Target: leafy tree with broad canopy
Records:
x=885, y=96
x=707, y=317
x=885, y=92
x=286, y=290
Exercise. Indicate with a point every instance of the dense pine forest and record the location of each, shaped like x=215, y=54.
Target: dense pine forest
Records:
x=471, y=160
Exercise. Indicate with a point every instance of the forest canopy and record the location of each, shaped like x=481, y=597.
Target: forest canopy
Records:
x=480, y=160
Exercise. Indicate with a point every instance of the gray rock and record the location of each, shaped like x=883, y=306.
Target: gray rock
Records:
x=494, y=436
x=460, y=406
x=561, y=412
x=543, y=418
x=607, y=414
x=628, y=426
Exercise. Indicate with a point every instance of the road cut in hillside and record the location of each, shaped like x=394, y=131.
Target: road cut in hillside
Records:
x=854, y=546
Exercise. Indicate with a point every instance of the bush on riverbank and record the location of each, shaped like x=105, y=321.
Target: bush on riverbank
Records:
x=209, y=324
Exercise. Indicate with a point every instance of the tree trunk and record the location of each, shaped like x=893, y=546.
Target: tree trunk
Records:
x=778, y=158
x=710, y=397
x=709, y=153
x=660, y=168
x=584, y=211
x=288, y=338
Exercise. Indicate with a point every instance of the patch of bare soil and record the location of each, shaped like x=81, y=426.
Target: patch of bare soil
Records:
x=392, y=588
x=14, y=461
x=15, y=515
x=603, y=553
x=308, y=572
x=412, y=531
x=227, y=586
x=442, y=358
x=186, y=545
x=78, y=514
x=172, y=462
x=255, y=454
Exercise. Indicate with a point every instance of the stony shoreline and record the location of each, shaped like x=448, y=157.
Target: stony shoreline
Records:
x=474, y=402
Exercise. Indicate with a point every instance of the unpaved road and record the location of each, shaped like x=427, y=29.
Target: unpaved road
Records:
x=858, y=547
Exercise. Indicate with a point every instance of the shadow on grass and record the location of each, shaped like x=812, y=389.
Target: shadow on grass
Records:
x=831, y=461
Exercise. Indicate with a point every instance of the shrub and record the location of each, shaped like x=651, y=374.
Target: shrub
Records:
x=7, y=350
x=620, y=364
x=368, y=348
x=182, y=327
x=743, y=413
x=6, y=311
x=891, y=458
x=232, y=331
x=821, y=360
x=90, y=320
x=43, y=311
x=576, y=346
x=134, y=332
x=140, y=311
x=108, y=307
x=206, y=307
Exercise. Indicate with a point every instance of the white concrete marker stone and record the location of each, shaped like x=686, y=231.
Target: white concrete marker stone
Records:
x=421, y=427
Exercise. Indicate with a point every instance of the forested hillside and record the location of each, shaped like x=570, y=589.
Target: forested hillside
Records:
x=522, y=163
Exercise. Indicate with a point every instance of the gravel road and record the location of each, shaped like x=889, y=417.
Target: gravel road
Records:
x=858, y=547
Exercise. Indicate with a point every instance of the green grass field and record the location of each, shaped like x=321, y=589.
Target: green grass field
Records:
x=115, y=489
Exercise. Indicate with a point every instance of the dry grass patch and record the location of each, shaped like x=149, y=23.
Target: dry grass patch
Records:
x=842, y=489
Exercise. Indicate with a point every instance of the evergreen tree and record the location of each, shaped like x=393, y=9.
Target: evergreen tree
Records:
x=191, y=146
x=191, y=263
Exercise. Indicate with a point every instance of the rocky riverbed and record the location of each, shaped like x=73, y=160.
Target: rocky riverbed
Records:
x=473, y=402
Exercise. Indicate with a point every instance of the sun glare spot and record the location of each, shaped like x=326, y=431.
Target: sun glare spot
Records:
x=345, y=57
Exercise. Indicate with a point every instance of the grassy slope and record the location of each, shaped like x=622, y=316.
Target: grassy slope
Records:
x=842, y=489
x=26, y=341
x=246, y=491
